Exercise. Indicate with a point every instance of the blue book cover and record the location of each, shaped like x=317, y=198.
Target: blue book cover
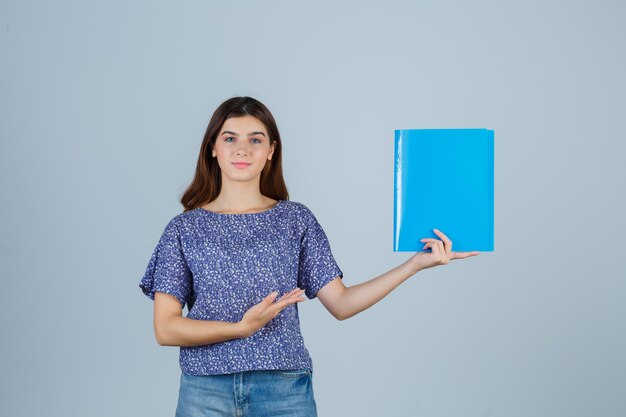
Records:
x=443, y=179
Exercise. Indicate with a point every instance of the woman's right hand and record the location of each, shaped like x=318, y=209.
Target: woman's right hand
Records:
x=259, y=314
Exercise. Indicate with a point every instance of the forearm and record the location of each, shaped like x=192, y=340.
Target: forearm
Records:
x=364, y=295
x=183, y=331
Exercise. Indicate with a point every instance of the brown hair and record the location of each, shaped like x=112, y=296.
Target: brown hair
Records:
x=207, y=183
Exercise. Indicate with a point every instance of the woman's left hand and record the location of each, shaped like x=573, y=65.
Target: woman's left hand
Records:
x=441, y=253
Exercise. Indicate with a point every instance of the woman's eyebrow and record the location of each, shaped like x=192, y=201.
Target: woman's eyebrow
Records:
x=249, y=134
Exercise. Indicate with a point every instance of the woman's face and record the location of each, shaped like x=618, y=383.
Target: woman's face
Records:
x=242, y=140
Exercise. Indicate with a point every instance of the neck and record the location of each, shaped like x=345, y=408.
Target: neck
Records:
x=240, y=196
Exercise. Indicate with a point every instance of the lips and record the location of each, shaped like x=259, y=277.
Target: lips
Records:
x=241, y=164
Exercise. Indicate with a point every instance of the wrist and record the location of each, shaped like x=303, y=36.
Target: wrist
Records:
x=412, y=268
x=242, y=330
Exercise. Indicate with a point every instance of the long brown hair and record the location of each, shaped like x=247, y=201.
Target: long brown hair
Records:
x=207, y=182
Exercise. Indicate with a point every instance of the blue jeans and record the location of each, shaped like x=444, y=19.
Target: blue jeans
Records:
x=248, y=394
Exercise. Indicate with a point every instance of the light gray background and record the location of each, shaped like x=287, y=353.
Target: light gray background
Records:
x=103, y=106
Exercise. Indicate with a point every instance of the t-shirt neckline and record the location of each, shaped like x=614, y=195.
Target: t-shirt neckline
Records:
x=241, y=214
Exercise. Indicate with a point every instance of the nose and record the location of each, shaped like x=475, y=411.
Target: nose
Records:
x=242, y=148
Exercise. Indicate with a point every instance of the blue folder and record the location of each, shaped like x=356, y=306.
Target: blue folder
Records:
x=443, y=179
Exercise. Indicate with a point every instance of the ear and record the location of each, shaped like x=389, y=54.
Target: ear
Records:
x=272, y=147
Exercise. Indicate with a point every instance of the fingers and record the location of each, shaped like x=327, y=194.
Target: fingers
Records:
x=435, y=245
x=461, y=255
x=442, y=249
x=259, y=314
x=287, y=294
x=291, y=297
x=437, y=249
x=269, y=299
x=272, y=296
x=447, y=242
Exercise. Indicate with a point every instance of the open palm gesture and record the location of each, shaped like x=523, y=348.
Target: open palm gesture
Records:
x=441, y=252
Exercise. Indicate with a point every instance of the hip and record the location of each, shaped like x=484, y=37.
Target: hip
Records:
x=248, y=393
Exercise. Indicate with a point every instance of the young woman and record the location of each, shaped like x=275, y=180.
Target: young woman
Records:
x=241, y=256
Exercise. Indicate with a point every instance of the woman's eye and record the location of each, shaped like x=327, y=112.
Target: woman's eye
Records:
x=230, y=137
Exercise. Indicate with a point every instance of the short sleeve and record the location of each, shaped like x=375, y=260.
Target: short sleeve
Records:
x=167, y=269
x=317, y=265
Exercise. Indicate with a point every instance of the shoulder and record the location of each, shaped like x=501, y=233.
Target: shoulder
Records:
x=301, y=215
x=182, y=223
x=298, y=209
x=295, y=206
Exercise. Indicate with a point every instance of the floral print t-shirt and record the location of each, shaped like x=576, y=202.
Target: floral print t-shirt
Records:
x=220, y=265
